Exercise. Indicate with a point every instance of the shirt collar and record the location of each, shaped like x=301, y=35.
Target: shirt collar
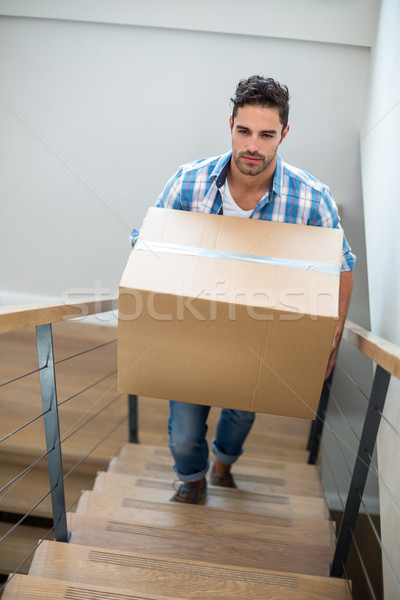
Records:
x=220, y=171
x=277, y=181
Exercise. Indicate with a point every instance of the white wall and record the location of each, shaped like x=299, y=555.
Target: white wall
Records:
x=95, y=117
x=101, y=101
x=380, y=165
x=350, y=22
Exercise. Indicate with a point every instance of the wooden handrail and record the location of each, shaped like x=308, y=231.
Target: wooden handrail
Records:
x=20, y=316
x=382, y=352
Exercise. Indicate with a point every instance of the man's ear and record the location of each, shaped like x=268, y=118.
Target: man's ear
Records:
x=284, y=133
x=230, y=122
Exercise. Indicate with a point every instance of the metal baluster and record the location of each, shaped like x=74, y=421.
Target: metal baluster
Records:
x=366, y=448
x=44, y=340
x=318, y=424
x=133, y=419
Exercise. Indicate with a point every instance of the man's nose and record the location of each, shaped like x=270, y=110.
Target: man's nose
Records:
x=252, y=144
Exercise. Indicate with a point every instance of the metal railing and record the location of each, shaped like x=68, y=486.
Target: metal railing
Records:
x=42, y=317
x=386, y=357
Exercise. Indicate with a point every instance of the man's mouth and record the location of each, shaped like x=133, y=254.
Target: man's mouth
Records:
x=251, y=159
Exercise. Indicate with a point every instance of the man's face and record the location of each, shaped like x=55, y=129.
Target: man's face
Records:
x=256, y=135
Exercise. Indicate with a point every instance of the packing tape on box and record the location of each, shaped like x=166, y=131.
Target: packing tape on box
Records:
x=264, y=260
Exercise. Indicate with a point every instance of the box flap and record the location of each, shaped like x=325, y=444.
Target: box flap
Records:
x=232, y=281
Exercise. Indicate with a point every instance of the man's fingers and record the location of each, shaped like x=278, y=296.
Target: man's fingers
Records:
x=331, y=362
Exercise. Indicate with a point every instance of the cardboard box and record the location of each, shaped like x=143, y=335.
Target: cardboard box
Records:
x=201, y=321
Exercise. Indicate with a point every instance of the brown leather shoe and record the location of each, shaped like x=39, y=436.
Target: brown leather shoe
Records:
x=189, y=495
x=225, y=480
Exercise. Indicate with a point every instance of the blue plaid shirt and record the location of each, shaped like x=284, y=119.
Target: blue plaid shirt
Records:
x=294, y=197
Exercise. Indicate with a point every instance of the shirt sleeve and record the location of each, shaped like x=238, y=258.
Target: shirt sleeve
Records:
x=326, y=215
x=170, y=197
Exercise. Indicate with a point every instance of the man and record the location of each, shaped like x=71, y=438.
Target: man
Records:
x=251, y=181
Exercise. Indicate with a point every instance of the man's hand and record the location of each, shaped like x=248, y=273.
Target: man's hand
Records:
x=345, y=289
x=332, y=356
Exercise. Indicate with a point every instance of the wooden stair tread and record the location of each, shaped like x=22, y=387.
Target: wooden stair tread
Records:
x=267, y=431
x=293, y=429
x=201, y=547
x=22, y=587
x=176, y=577
x=272, y=451
x=267, y=439
x=206, y=520
x=16, y=547
x=267, y=483
x=316, y=530
x=156, y=423
x=290, y=425
x=257, y=465
x=144, y=488
x=269, y=453
x=156, y=419
x=22, y=401
x=24, y=457
x=30, y=441
x=26, y=492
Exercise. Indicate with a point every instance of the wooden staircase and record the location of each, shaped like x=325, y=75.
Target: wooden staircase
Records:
x=269, y=539
x=21, y=402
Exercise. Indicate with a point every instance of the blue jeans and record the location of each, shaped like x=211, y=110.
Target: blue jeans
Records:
x=187, y=428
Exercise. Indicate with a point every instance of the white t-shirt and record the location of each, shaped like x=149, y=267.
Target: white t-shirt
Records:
x=229, y=206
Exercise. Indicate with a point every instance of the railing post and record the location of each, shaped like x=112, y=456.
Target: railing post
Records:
x=44, y=340
x=317, y=425
x=366, y=448
x=133, y=419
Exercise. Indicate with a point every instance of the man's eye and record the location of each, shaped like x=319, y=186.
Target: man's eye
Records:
x=267, y=135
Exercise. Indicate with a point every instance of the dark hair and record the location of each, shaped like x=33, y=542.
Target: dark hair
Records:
x=257, y=90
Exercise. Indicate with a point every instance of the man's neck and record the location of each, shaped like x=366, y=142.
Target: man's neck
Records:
x=247, y=190
x=251, y=183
